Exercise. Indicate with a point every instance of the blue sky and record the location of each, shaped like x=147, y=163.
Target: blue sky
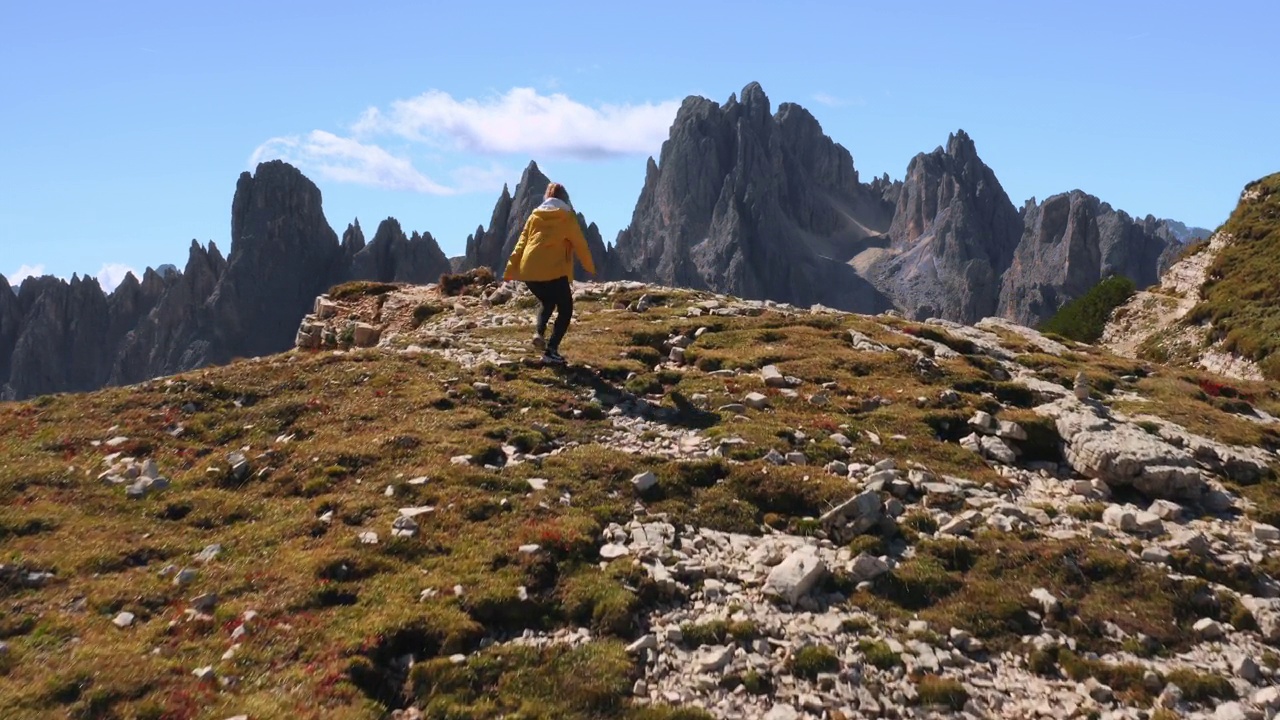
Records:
x=125, y=124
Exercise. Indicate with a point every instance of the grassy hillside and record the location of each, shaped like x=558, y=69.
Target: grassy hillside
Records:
x=254, y=584
x=1084, y=318
x=1242, y=295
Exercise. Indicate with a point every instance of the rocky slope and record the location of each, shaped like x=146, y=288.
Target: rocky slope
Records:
x=1184, y=318
x=724, y=508
x=57, y=336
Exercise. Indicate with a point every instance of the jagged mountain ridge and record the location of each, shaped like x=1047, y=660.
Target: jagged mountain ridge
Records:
x=59, y=336
x=741, y=201
x=754, y=204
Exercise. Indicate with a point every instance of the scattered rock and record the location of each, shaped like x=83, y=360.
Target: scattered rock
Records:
x=795, y=576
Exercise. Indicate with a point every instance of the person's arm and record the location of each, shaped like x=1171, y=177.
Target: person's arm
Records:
x=513, y=262
x=580, y=248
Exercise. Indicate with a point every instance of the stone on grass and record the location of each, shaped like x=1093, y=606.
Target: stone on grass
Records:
x=795, y=576
x=644, y=481
x=755, y=401
x=123, y=620
x=867, y=567
x=1208, y=628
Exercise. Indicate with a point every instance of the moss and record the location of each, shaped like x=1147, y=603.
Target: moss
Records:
x=1084, y=318
x=878, y=654
x=936, y=690
x=360, y=288
x=1201, y=687
x=718, y=632
x=811, y=660
x=425, y=312
x=1125, y=678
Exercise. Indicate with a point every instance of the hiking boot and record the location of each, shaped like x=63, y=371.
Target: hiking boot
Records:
x=539, y=342
x=552, y=358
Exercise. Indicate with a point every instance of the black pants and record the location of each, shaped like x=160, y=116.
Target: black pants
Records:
x=554, y=295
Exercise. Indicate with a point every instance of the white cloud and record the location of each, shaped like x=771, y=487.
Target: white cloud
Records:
x=25, y=272
x=835, y=101
x=347, y=160
x=524, y=122
x=112, y=274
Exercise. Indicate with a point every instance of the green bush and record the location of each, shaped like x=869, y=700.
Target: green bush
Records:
x=1084, y=318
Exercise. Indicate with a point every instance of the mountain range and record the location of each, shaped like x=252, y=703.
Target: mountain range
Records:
x=743, y=200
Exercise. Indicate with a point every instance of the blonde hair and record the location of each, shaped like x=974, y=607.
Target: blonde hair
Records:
x=557, y=191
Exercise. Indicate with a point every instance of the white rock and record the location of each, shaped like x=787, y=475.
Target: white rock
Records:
x=755, y=401
x=1230, y=711
x=1121, y=518
x=1266, y=533
x=782, y=712
x=1048, y=602
x=1208, y=629
x=645, y=642
x=644, y=481
x=1156, y=554
x=1010, y=430
x=123, y=620
x=203, y=674
x=1268, y=698
x=795, y=576
x=537, y=483
x=714, y=658
x=983, y=422
x=772, y=377
x=613, y=551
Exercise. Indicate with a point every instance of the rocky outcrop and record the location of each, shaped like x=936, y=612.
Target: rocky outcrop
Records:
x=954, y=233
x=393, y=257
x=491, y=248
x=754, y=204
x=1069, y=243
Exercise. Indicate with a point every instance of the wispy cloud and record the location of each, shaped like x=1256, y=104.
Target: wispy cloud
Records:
x=112, y=274
x=347, y=160
x=453, y=135
x=524, y=121
x=830, y=100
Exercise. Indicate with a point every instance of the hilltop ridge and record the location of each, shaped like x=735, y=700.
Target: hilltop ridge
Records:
x=724, y=508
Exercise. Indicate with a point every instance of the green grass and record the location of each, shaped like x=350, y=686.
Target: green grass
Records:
x=1084, y=318
x=1241, y=297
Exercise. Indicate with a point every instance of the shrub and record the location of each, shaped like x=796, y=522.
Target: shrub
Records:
x=935, y=690
x=360, y=288
x=812, y=660
x=1084, y=318
x=468, y=282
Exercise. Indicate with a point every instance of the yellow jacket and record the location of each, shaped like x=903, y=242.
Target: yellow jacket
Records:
x=547, y=245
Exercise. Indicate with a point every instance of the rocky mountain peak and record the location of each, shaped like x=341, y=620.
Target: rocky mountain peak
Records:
x=491, y=248
x=953, y=234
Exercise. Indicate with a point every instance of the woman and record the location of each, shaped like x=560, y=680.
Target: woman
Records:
x=543, y=260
